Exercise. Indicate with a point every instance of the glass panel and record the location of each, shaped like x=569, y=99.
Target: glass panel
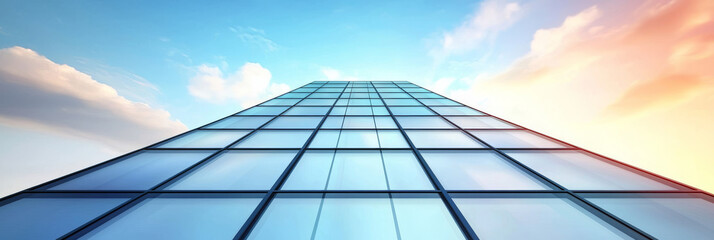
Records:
x=442, y=139
x=141, y=171
x=356, y=216
x=317, y=102
x=358, y=139
x=515, y=139
x=385, y=122
x=358, y=122
x=456, y=111
x=205, y=139
x=325, y=139
x=49, y=216
x=333, y=122
x=531, y=216
x=237, y=170
x=281, y=102
x=579, y=171
x=664, y=216
x=392, y=139
x=171, y=217
x=324, y=95
x=275, y=139
x=403, y=102
x=307, y=111
x=338, y=111
x=478, y=170
x=359, y=111
x=360, y=102
x=411, y=111
x=357, y=170
x=294, y=122
x=479, y=122
x=305, y=89
x=376, y=102
x=240, y=122
x=438, y=102
x=423, y=122
x=404, y=171
x=342, y=102
x=294, y=95
x=395, y=95
x=380, y=111
x=263, y=111
x=311, y=171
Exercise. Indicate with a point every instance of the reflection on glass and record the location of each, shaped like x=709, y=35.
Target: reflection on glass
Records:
x=411, y=111
x=275, y=139
x=205, y=139
x=263, y=111
x=237, y=170
x=171, y=217
x=479, y=122
x=534, y=216
x=478, y=170
x=356, y=216
x=515, y=139
x=141, y=171
x=240, y=122
x=424, y=122
x=307, y=111
x=456, y=111
x=664, y=216
x=442, y=139
x=579, y=171
x=43, y=216
x=294, y=122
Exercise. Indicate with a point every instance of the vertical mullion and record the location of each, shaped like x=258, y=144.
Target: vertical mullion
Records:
x=263, y=205
x=450, y=204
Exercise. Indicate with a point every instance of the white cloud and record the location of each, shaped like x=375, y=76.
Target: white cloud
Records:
x=334, y=74
x=247, y=86
x=441, y=85
x=37, y=93
x=491, y=17
x=255, y=36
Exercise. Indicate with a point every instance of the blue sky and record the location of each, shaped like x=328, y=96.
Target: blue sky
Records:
x=170, y=63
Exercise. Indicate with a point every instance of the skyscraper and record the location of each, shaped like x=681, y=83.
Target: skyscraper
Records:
x=359, y=160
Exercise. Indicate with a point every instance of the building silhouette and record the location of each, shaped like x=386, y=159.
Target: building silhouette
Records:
x=359, y=160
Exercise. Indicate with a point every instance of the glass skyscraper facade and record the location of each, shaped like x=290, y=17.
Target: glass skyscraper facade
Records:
x=359, y=160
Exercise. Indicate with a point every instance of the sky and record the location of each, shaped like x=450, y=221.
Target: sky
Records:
x=85, y=81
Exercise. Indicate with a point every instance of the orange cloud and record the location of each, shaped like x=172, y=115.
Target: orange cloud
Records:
x=606, y=84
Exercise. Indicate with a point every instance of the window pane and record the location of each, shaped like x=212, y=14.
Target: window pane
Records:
x=275, y=139
x=358, y=122
x=534, y=216
x=49, y=216
x=395, y=95
x=358, y=139
x=325, y=139
x=311, y=171
x=205, y=139
x=442, y=139
x=141, y=171
x=423, y=122
x=360, y=102
x=479, y=122
x=281, y=102
x=307, y=111
x=515, y=139
x=356, y=216
x=392, y=139
x=411, y=111
x=338, y=111
x=380, y=111
x=404, y=171
x=263, y=111
x=171, y=217
x=240, y=122
x=237, y=170
x=317, y=102
x=664, y=216
x=294, y=122
x=324, y=95
x=385, y=122
x=478, y=170
x=438, y=102
x=359, y=111
x=402, y=102
x=294, y=95
x=456, y=111
x=357, y=170
x=579, y=171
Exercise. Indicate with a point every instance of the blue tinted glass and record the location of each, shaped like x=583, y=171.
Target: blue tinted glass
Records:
x=237, y=170
x=317, y=102
x=380, y=111
x=478, y=170
x=358, y=139
x=205, y=139
x=338, y=111
x=240, y=122
x=411, y=111
x=325, y=139
x=49, y=217
x=438, y=102
x=376, y=102
x=395, y=95
x=359, y=111
x=342, y=102
x=392, y=139
x=577, y=170
x=391, y=89
x=442, y=139
x=515, y=139
x=404, y=171
x=294, y=122
x=137, y=172
x=479, y=122
x=424, y=122
x=281, y=102
x=169, y=217
x=401, y=102
x=347, y=216
x=456, y=111
x=385, y=122
x=263, y=111
x=294, y=95
x=275, y=139
x=360, y=102
x=357, y=170
x=324, y=95
x=358, y=122
x=304, y=89
x=307, y=111
x=541, y=216
x=312, y=171
x=664, y=216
